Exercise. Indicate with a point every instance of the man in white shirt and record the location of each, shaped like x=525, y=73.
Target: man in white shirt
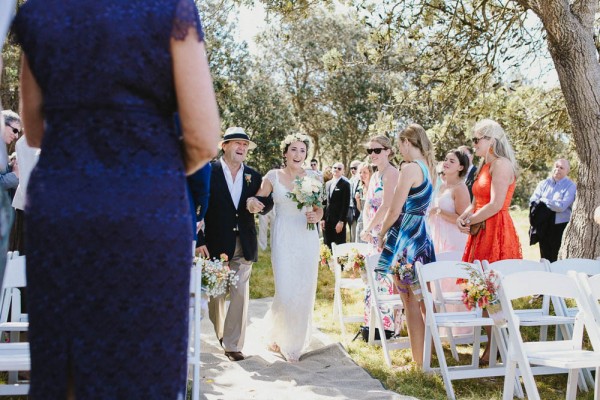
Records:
x=336, y=207
x=229, y=229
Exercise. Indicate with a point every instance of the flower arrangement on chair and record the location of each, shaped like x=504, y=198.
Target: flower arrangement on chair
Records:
x=216, y=275
x=405, y=274
x=481, y=290
x=325, y=256
x=358, y=264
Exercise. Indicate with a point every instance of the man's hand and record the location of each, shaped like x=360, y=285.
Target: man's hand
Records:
x=202, y=251
x=339, y=226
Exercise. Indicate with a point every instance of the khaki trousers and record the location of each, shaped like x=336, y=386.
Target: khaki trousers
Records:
x=231, y=325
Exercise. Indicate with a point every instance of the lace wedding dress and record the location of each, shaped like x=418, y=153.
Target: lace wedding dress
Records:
x=295, y=257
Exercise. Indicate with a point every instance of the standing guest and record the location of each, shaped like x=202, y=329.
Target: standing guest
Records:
x=450, y=201
x=294, y=248
x=471, y=172
x=335, y=216
x=492, y=234
x=378, y=199
x=27, y=158
x=230, y=229
x=364, y=172
x=557, y=193
x=353, y=211
x=108, y=260
x=9, y=169
x=314, y=165
x=407, y=239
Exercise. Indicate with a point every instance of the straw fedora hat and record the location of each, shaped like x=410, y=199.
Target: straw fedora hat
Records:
x=237, y=133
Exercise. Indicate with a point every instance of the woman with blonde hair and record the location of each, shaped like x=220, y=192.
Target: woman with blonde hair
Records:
x=492, y=234
x=407, y=240
x=377, y=201
x=365, y=171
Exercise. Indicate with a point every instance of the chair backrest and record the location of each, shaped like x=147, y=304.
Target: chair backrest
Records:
x=507, y=267
x=590, y=288
x=340, y=250
x=14, y=279
x=585, y=265
x=449, y=256
x=439, y=270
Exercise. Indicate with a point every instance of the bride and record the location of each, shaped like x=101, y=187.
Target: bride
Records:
x=294, y=252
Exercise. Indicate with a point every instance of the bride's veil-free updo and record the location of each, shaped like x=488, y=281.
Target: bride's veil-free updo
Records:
x=501, y=146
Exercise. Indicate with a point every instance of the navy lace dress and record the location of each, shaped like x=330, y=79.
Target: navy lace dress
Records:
x=109, y=239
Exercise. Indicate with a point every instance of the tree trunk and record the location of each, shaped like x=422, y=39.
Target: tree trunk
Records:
x=573, y=51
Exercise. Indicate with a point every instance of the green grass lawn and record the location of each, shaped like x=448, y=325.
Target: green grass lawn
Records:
x=407, y=382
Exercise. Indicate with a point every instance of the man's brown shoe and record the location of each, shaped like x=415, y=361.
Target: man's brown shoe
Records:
x=235, y=355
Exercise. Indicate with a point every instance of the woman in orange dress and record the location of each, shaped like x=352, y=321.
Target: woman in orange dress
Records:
x=492, y=233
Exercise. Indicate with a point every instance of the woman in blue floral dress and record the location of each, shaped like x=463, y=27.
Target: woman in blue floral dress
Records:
x=407, y=240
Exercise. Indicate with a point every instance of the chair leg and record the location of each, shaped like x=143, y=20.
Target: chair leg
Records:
x=427, y=350
x=509, y=379
x=597, y=385
x=439, y=350
x=572, y=384
x=450, y=337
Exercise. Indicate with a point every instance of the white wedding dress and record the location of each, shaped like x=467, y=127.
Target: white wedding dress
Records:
x=295, y=258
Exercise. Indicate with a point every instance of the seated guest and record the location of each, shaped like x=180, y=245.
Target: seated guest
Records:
x=557, y=193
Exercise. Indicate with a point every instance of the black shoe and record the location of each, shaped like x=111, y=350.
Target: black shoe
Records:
x=235, y=355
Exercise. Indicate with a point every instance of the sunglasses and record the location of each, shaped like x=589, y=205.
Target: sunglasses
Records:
x=477, y=139
x=15, y=130
x=376, y=151
x=352, y=168
x=338, y=168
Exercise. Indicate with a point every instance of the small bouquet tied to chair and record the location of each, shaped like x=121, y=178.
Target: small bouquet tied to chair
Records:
x=216, y=275
x=405, y=274
x=481, y=290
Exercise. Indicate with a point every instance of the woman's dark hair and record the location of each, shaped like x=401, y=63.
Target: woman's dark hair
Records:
x=463, y=159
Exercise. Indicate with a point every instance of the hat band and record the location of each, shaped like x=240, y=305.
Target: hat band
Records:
x=236, y=136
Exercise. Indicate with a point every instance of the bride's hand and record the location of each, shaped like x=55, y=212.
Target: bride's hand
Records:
x=311, y=217
x=254, y=205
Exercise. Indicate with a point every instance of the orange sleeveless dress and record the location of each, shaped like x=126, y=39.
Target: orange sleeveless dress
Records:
x=499, y=239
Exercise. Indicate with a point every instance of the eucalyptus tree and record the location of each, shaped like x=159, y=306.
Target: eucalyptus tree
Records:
x=335, y=95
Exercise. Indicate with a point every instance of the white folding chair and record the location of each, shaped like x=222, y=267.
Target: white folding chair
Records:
x=14, y=356
x=434, y=321
x=584, y=265
x=346, y=283
x=450, y=298
x=195, y=317
x=551, y=357
x=379, y=300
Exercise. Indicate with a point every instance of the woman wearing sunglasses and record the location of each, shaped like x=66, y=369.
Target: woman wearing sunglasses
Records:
x=377, y=201
x=492, y=234
x=407, y=239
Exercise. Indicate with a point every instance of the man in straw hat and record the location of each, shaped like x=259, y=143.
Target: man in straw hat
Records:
x=230, y=229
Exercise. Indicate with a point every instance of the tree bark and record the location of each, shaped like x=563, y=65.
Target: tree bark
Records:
x=572, y=47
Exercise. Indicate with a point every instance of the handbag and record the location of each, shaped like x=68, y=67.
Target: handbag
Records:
x=475, y=228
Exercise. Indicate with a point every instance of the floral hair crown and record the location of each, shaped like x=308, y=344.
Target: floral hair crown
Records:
x=295, y=137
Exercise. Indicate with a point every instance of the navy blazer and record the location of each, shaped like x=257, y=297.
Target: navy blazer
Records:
x=224, y=223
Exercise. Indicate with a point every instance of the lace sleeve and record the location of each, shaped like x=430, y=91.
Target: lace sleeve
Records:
x=270, y=176
x=186, y=17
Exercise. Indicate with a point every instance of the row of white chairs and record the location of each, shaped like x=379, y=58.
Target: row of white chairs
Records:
x=438, y=320
x=14, y=356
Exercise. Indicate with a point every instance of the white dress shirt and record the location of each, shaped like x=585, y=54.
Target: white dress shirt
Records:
x=27, y=157
x=235, y=185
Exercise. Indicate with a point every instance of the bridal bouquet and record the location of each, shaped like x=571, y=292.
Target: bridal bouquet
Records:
x=307, y=192
x=216, y=275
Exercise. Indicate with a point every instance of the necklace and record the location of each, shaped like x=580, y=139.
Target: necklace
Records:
x=452, y=185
